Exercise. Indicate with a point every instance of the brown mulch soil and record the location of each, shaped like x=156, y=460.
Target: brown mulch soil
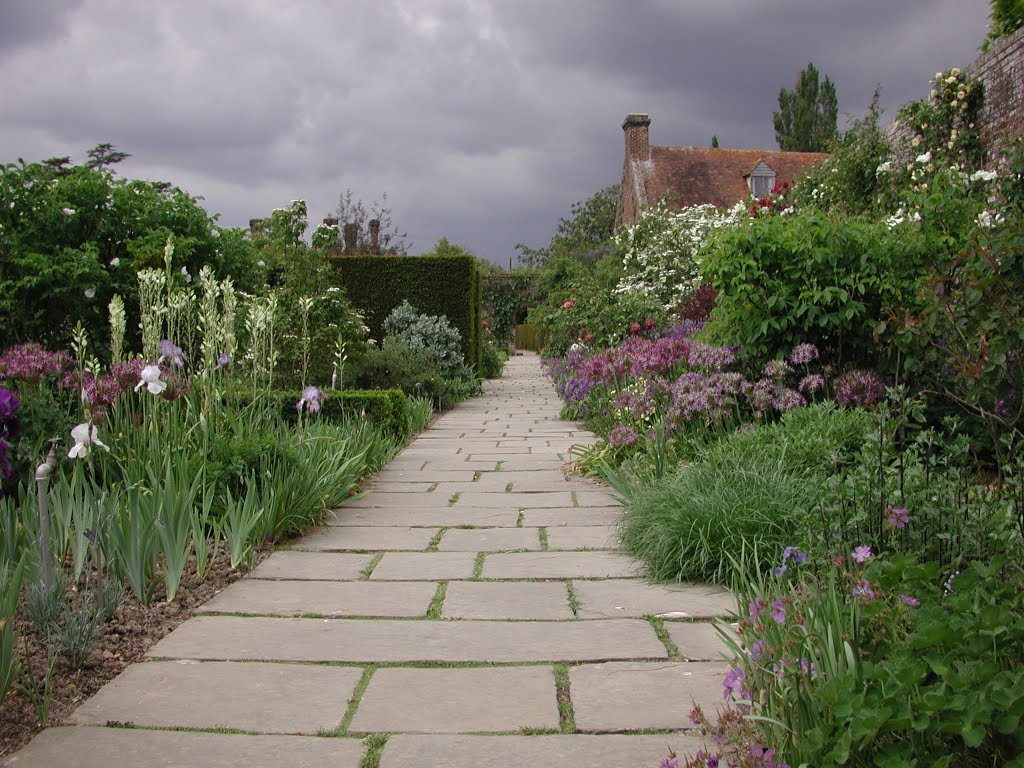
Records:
x=133, y=631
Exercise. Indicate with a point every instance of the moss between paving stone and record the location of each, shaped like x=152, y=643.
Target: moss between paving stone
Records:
x=542, y=534
x=566, y=718
x=375, y=744
x=364, y=574
x=434, y=610
x=663, y=635
x=357, y=695
x=574, y=603
x=478, y=566
x=434, y=542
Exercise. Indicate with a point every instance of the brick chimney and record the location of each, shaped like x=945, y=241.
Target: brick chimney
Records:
x=374, y=235
x=351, y=235
x=638, y=144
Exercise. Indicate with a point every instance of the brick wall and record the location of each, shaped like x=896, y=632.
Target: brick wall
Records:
x=1001, y=69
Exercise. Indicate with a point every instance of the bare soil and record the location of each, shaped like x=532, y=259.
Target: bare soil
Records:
x=133, y=631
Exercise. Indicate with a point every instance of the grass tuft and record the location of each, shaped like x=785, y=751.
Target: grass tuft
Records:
x=374, y=744
x=368, y=569
x=666, y=639
x=434, y=611
x=566, y=717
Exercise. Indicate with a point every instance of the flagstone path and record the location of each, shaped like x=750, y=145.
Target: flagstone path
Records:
x=470, y=610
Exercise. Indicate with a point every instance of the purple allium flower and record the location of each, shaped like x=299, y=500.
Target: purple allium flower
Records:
x=776, y=369
x=30, y=362
x=171, y=354
x=812, y=383
x=712, y=761
x=310, y=401
x=861, y=387
x=803, y=354
x=786, y=399
x=863, y=589
x=861, y=554
x=779, y=611
x=669, y=762
x=623, y=435
x=913, y=602
x=898, y=517
x=711, y=358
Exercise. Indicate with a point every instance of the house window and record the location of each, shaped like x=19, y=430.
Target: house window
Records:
x=761, y=180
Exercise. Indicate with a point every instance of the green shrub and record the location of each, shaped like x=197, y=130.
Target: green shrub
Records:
x=430, y=334
x=494, y=359
x=384, y=407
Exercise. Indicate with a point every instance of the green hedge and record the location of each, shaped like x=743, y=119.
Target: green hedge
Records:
x=433, y=285
x=386, y=407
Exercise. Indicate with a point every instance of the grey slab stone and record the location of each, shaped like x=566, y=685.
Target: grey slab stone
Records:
x=559, y=565
x=616, y=598
x=436, y=518
x=518, y=500
x=384, y=486
x=415, y=476
x=384, y=640
x=595, y=498
x=335, y=538
x=507, y=600
x=553, y=751
x=457, y=465
x=294, y=564
x=266, y=698
x=413, y=566
x=493, y=450
x=323, y=598
x=535, y=461
x=583, y=537
x=458, y=700
x=697, y=640
x=488, y=539
x=388, y=500
x=571, y=516
x=88, y=747
x=620, y=696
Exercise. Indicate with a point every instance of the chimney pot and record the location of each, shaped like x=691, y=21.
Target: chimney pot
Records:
x=351, y=234
x=374, y=235
x=638, y=145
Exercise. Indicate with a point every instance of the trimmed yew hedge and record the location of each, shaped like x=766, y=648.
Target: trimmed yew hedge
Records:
x=434, y=285
x=386, y=407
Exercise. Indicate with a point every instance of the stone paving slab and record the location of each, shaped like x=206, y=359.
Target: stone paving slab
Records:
x=502, y=500
x=415, y=476
x=458, y=700
x=460, y=465
x=488, y=539
x=570, y=516
x=267, y=698
x=697, y=641
x=397, y=501
x=596, y=498
x=556, y=751
x=324, y=598
x=493, y=450
x=617, y=598
x=620, y=696
x=558, y=565
x=527, y=463
x=441, y=517
x=384, y=640
x=296, y=565
x=413, y=566
x=385, y=486
x=583, y=537
x=507, y=600
x=88, y=747
x=334, y=538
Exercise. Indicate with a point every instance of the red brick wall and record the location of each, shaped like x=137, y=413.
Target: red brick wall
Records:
x=1001, y=69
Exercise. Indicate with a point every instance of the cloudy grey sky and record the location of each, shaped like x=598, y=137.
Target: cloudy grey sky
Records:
x=482, y=120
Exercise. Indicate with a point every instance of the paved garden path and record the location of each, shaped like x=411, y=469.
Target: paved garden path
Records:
x=470, y=610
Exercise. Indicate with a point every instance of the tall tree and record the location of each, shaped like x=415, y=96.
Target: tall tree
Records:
x=806, y=120
x=587, y=229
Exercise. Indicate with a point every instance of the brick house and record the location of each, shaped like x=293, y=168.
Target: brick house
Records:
x=698, y=175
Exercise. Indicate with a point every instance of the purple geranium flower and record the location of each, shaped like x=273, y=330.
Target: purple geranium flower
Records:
x=898, y=517
x=861, y=554
x=863, y=589
x=913, y=602
x=779, y=611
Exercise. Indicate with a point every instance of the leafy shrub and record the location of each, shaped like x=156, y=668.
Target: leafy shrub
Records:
x=430, y=335
x=494, y=359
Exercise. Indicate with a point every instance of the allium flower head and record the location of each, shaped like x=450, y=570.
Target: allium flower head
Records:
x=803, y=354
x=623, y=435
x=861, y=387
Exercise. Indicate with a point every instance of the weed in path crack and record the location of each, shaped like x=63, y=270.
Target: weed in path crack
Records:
x=374, y=744
x=478, y=566
x=434, y=542
x=508, y=488
x=663, y=635
x=574, y=602
x=575, y=499
x=566, y=718
x=542, y=533
x=434, y=611
x=368, y=569
x=453, y=499
x=520, y=519
x=357, y=695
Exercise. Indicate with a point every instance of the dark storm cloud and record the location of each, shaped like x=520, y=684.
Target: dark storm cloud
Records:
x=483, y=120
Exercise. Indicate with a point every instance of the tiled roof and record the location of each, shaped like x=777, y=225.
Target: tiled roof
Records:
x=700, y=175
